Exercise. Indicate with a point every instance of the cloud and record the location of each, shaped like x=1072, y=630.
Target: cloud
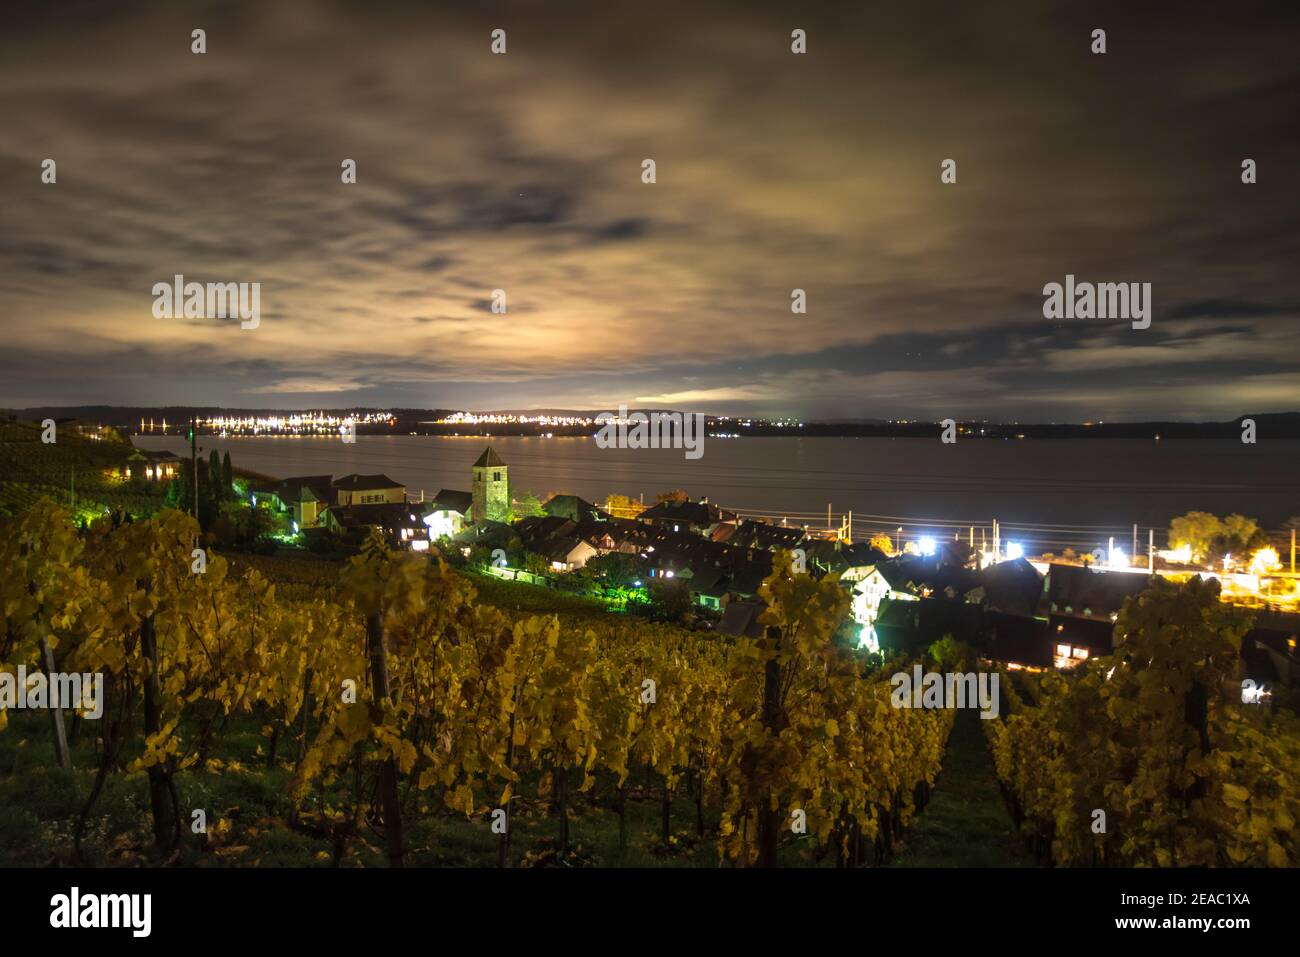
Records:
x=477, y=172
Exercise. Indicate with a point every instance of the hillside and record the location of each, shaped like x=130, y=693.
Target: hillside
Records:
x=75, y=471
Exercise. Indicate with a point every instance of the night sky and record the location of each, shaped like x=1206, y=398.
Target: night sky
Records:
x=774, y=171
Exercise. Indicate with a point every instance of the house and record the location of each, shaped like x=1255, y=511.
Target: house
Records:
x=306, y=496
x=368, y=490
x=895, y=625
x=906, y=578
x=447, y=514
x=565, y=552
x=912, y=626
x=401, y=524
x=490, y=477
x=708, y=586
x=1075, y=640
x=556, y=539
x=869, y=591
x=853, y=561
x=698, y=517
x=575, y=508
x=1079, y=592
x=538, y=528
x=751, y=534
x=1013, y=587
x=152, y=465
x=1017, y=641
x=489, y=534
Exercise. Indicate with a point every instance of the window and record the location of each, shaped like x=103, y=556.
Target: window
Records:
x=496, y=476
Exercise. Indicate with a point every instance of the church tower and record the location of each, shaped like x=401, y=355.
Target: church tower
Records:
x=491, y=488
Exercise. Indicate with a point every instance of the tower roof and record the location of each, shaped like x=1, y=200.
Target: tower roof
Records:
x=489, y=459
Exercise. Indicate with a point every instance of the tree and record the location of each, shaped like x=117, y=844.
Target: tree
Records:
x=180, y=495
x=670, y=599
x=1212, y=539
x=676, y=495
x=227, y=474
x=215, y=479
x=623, y=506
x=619, y=569
x=882, y=543
x=527, y=505
x=1196, y=530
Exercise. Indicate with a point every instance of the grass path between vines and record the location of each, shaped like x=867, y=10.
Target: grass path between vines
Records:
x=966, y=823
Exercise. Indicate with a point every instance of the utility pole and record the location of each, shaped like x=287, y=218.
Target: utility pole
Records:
x=1151, y=550
x=997, y=541
x=1293, y=551
x=828, y=516
x=194, y=466
x=1133, y=555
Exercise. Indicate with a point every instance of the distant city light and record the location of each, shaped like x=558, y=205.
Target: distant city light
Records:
x=927, y=545
x=1014, y=551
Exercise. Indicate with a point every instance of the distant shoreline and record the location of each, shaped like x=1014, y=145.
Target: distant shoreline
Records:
x=1268, y=426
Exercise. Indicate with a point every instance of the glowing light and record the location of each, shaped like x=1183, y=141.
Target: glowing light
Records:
x=927, y=545
x=867, y=639
x=1250, y=694
x=1014, y=551
x=1117, y=558
x=1265, y=560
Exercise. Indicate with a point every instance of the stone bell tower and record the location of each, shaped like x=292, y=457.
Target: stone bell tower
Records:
x=491, y=488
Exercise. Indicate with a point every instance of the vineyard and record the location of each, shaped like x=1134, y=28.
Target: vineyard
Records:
x=1148, y=757
x=73, y=469
x=384, y=714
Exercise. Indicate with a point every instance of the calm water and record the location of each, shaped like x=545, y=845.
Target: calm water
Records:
x=1085, y=489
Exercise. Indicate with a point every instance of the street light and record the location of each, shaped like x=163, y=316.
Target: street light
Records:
x=898, y=538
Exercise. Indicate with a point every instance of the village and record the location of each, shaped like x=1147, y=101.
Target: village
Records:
x=1026, y=612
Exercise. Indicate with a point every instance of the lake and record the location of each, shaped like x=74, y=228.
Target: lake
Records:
x=1047, y=493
